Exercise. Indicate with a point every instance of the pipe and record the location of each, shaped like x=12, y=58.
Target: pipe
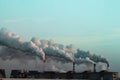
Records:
x=73, y=67
x=108, y=66
x=94, y=67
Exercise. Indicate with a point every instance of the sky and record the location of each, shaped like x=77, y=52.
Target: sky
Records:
x=87, y=24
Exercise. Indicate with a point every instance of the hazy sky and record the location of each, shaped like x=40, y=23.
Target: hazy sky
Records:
x=88, y=24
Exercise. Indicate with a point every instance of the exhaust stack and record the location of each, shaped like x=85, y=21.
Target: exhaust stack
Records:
x=73, y=67
x=94, y=67
x=108, y=66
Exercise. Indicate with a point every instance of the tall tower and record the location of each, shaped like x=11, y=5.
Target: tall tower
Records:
x=73, y=66
x=94, y=67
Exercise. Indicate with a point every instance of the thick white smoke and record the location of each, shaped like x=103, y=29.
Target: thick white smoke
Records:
x=92, y=57
x=16, y=42
x=40, y=48
x=56, y=51
x=14, y=47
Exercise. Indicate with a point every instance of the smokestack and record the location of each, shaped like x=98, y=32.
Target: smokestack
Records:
x=73, y=67
x=108, y=66
x=94, y=67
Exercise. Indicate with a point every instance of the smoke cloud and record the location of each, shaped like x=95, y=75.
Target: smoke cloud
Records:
x=14, y=47
x=93, y=58
x=56, y=51
x=14, y=41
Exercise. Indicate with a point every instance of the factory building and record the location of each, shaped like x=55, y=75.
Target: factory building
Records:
x=2, y=73
x=103, y=75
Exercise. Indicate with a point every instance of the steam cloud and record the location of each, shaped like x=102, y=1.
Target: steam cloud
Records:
x=93, y=58
x=16, y=42
x=12, y=46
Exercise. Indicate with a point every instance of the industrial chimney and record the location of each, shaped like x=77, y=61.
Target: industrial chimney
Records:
x=108, y=66
x=73, y=67
x=94, y=67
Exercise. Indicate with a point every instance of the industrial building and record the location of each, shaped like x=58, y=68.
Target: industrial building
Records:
x=86, y=75
x=103, y=75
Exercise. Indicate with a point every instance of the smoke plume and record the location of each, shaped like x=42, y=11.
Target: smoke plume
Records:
x=14, y=47
x=35, y=46
x=93, y=58
x=14, y=41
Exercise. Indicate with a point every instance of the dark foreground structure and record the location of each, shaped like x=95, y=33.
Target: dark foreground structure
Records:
x=103, y=75
x=86, y=75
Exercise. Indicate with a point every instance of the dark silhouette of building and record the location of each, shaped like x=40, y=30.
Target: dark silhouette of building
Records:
x=2, y=73
x=103, y=75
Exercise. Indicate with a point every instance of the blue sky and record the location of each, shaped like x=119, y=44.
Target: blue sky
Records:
x=88, y=24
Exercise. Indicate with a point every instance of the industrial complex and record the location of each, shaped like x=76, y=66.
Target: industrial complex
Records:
x=86, y=75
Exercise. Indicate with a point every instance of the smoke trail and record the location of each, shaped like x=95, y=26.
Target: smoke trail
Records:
x=35, y=46
x=17, y=46
x=84, y=61
x=57, y=51
x=7, y=53
x=16, y=42
x=92, y=57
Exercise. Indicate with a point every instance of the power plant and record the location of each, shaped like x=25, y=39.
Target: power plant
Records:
x=15, y=51
x=86, y=75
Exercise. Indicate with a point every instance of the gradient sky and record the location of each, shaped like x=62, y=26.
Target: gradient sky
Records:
x=88, y=24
